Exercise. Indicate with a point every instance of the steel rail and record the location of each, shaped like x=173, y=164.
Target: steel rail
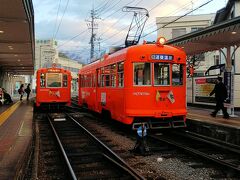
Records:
x=63, y=151
x=123, y=163
x=194, y=151
x=215, y=142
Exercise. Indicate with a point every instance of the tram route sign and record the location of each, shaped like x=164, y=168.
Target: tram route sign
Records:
x=161, y=57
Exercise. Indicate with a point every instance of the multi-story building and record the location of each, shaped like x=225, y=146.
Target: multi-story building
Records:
x=73, y=66
x=46, y=54
x=171, y=29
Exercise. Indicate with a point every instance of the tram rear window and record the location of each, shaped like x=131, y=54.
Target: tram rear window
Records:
x=177, y=74
x=54, y=80
x=142, y=74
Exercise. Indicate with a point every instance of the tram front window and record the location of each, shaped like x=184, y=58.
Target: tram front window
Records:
x=161, y=74
x=54, y=80
x=177, y=74
x=142, y=74
x=42, y=80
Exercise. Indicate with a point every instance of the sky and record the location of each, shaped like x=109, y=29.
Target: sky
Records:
x=66, y=20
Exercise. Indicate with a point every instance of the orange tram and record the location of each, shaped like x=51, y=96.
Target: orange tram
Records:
x=53, y=87
x=140, y=84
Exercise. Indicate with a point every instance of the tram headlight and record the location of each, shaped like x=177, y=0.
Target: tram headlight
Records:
x=161, y=41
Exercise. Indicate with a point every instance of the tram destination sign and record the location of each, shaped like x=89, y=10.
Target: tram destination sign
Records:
x=161, y=57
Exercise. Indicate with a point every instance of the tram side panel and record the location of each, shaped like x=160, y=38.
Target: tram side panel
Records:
x=160, y=105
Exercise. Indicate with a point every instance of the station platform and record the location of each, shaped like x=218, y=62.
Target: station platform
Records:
x=15, y=138
x=200, y=122
x=203, y=114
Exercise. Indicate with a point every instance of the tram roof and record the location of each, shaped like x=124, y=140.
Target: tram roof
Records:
x=17, y=37
x=211, y=38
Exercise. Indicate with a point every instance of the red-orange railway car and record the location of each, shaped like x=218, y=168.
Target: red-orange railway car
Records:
x=139, y=84
x=53, y=87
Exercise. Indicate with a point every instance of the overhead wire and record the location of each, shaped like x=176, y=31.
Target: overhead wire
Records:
x=135, y=25
x=73, y=38
x=118, y=19
x=118, y=10
x=56, y=18
x=81, y=33
x=178, y=18
x=151, y=25
x=103, y=6
x=109, y=8
x=154, y=30
x=61, y=19
x=174, y=20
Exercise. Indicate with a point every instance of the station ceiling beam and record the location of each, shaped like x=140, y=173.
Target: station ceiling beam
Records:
x=17, y=42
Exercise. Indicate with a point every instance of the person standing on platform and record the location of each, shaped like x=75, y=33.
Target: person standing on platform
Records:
x=220, y=92
x=28, y=90
x=21, y=91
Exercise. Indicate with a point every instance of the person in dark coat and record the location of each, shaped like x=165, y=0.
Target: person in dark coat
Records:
x=21, y=91
x=7, y=97
x=28, y=90
x=220, y=92
x=1, y=96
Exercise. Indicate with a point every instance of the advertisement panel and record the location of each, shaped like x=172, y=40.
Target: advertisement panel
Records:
x=228, y=83
x=202, y=88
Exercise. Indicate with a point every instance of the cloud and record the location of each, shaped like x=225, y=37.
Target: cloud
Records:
x=113, y=23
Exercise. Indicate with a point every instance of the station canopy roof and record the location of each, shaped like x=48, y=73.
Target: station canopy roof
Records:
x=16, y=37
x=211, y=38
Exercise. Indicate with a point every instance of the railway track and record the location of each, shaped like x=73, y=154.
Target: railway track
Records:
x=225, y=157
x=48, y=162
x=222, y=155
x=86, y=156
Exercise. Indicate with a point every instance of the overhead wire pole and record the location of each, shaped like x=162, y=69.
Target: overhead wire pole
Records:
x=92, y=25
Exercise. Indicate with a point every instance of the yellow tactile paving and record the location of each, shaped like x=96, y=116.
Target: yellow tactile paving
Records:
x=4, y=116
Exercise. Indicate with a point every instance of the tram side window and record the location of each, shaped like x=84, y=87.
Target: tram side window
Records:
x=89, y=80
x=177, y=74
x=65, y=80
x=94, y=80
x=142, y=74
x=102, y=77
x=161, y=74
x=113, y=75
x=107, y=75
x=120, y=70
x=82, y=80
x=42, y=80
x=99, y=78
